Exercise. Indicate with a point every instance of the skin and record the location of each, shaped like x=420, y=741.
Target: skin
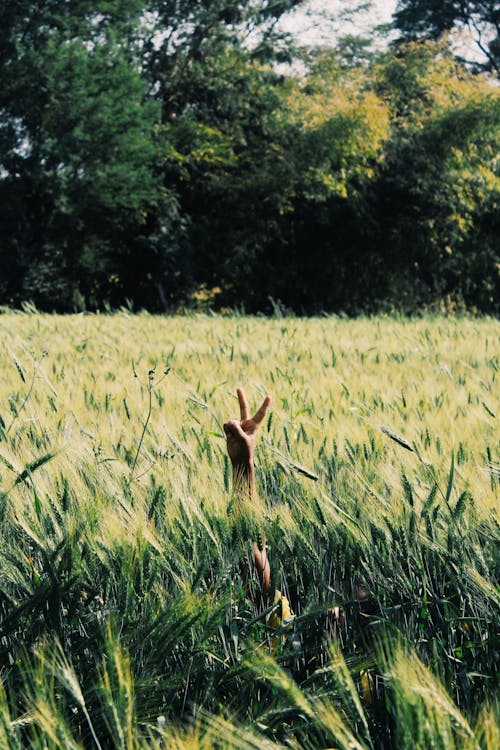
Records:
x=240, y=440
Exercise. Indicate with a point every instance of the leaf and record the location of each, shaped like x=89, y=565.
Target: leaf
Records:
x=19, y=369
x=397, y=438
x=462, y=502
x=7, y=463
x=450, y=479
x=490, y=412
x=38, y=504
x=407, y=489
x=33, y=466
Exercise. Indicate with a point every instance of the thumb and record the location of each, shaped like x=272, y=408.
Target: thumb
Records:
x=234, y=429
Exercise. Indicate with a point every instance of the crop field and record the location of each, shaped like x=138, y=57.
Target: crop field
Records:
x=126, y=619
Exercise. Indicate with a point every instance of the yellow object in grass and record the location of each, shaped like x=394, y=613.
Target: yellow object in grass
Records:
x=278, y=618
x=367, y=687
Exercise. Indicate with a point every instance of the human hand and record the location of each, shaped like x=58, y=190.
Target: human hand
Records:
x=240, y=434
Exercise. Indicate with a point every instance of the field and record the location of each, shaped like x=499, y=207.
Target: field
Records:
x=125, y=619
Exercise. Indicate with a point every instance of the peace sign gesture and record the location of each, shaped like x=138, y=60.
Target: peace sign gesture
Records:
x=240, y=434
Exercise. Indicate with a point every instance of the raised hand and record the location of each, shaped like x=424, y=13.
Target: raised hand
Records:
x=240, y=437
x=240, y=434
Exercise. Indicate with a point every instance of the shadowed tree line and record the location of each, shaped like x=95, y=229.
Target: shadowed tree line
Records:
x=163, y=154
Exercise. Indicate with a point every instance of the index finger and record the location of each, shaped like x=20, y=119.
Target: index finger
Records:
x=261, y=413
x=244, y=410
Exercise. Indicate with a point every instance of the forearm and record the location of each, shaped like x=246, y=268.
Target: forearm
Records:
x=245, y=490
x=240, y=436
x=244, y=481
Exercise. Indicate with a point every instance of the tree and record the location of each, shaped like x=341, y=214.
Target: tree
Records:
x=150, y=150
x=437, y=197
x=115, y=118
x=76, y=148
x=187, y=33
x=208, y=64
x=339, y=126
x=430, y=19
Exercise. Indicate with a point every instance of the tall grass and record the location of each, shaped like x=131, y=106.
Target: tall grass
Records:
x=126, y=615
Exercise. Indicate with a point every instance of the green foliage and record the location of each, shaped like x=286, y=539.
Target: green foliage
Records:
x=428, y=19
x=441, y=179
x=154, y=154
x=78, y=154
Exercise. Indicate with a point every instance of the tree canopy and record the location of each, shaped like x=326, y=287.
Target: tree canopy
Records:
x=165, y=154
x=430, y=19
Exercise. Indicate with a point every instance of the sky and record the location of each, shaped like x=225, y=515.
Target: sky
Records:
x=321, y=21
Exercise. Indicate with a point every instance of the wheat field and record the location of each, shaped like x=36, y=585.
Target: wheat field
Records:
x=125, y=616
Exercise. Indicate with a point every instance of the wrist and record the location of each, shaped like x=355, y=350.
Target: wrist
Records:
x=244, y=466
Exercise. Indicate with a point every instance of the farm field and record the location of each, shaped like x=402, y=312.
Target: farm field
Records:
x=125, y=619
